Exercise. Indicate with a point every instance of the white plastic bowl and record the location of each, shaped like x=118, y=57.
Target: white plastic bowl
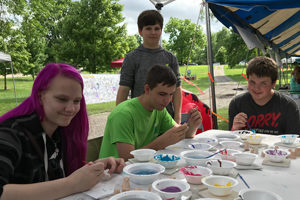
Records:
x=143, y=154
x=143, y=173
x=258, y=194
x=227, y=136
x=231, y=144
x=278, y=155
x=200, y=146
x=220, y=185
x=167, y=160
x=254, y=139
x=136, y=194
x=221, y=167
x=196, y=157
x=212, y=141
x=194, y=174
x=243, y=133
x=289, y=138
x=170, y=187
x=245, y=158
x=228, y=154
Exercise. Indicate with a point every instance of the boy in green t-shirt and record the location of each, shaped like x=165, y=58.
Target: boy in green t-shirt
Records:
x=143, y=122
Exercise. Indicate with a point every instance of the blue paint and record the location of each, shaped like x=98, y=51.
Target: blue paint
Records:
x=144, y=171
x=166, y=157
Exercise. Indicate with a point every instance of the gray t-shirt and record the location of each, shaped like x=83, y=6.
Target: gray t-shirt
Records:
x=137, y=63
x=279, y=116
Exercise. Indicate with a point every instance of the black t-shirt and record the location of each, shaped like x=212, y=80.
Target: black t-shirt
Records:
x=279, y=116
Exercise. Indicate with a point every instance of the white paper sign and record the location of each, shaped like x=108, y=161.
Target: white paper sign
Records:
x=99, y=88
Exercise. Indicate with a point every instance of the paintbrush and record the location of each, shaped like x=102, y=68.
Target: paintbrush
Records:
x=243, y=181
x=252, y=130
x=215, y=153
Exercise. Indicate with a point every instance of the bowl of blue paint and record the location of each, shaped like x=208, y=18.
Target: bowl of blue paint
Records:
x=143, y=173
x=167, y=160
x=170, y=188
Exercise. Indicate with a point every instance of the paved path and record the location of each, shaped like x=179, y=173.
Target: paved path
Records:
x=225, y=90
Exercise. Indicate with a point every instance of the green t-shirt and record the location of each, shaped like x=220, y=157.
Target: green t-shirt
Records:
x=131, y=123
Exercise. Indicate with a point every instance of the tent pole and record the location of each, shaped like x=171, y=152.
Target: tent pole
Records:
x=279, y=64
x=12, y=73
x=210, y=62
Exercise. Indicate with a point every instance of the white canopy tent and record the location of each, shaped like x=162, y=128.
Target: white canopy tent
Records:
x=7, y=58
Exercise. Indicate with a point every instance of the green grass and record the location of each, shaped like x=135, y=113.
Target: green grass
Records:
x=222, y=125
x=23, y=90
x=202, y=80
x=100, y=107
x=7, y=98
x=235, y=73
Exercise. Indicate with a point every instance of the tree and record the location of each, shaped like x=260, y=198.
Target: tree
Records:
x=39, y=27
x=132, y=42
x=219, y=40
x=91, y=35
x=181, y=37
x=11, y=40
x=237, y=49
x=221, y=55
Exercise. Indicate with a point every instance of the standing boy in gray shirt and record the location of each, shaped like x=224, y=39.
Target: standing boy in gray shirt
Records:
x=137, y=63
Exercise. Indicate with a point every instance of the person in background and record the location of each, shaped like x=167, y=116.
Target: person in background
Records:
x=139, y=61
x=43, y=141
x=295, y=83
x=262, y=108
x=143, y=122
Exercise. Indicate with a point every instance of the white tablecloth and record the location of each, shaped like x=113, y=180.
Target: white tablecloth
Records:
x=282, y=181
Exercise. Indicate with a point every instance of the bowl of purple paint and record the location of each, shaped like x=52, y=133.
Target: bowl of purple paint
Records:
x=276, y=155
x=170, y=188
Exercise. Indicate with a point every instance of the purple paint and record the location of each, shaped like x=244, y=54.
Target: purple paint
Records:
x=171, y=189
x=276, y=152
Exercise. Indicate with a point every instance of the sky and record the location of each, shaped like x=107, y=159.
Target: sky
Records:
x=182, y=9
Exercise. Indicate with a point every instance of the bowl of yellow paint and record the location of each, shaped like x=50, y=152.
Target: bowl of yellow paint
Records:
x=220, y=185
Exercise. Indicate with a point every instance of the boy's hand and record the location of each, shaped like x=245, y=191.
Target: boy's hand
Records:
x=239, y=121
x=195, y=119
x=175, y=134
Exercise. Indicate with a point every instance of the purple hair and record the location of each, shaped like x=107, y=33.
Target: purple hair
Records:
x=74, y=136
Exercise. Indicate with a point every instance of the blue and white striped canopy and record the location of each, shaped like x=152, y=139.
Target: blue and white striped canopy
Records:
x=262, y=23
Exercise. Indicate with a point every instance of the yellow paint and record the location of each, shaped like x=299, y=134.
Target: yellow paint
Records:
x=227, y=185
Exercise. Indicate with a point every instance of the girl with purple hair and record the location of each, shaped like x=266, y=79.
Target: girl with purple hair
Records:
x=43, y=141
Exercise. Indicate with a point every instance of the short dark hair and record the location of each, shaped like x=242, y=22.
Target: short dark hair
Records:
x=262, y=67
x=150, y=17
x=160, y=74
